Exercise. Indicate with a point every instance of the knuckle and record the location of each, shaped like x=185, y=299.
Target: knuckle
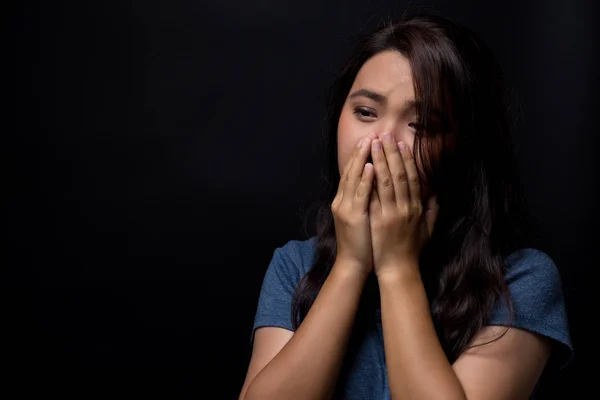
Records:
x=334, y=206
x=400, y=176
x=338, y=214
x=404, y=211
x=418, y=208
x=387, y=182
x=343, y=209
x=414, y=209
x=361, y=192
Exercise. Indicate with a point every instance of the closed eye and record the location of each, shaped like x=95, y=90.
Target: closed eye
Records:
x=364, y=114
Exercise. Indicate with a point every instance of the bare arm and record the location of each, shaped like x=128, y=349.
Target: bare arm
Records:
x=417, y=365
x=308, y=365
x=418, y=368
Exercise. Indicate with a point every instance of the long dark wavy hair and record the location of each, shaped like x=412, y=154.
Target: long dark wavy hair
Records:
x=483, y=214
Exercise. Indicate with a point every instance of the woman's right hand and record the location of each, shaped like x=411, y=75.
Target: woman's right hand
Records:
x=350, y=209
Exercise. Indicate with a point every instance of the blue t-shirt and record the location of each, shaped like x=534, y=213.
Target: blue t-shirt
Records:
x=532, y=277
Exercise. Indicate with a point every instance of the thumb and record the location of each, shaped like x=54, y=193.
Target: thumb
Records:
x=431, y=213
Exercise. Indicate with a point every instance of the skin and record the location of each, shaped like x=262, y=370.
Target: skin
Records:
x=383, y=225
x=380, y=105
x=387, y=74
x=379, y=102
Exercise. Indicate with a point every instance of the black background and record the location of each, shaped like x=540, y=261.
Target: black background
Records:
x=162, y=150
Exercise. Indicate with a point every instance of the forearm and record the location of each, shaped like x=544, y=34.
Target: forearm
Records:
x=417, y=365
x=308, y=365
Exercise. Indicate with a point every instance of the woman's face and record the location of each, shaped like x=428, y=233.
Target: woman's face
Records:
x=381, y=100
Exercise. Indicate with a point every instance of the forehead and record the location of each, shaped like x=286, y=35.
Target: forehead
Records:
x=388, y=73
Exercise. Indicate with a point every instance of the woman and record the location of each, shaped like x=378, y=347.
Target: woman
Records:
x=381, y=305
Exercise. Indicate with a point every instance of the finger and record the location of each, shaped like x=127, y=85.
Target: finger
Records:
x=412, y=176
x=397, y=170
x=354, y=175
x=374, y=202
x=363, y=191
x=340, y=192
x=345, y=172
x=431, y=214
x=383, y=178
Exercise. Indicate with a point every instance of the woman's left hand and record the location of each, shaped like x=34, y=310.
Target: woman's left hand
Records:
x=400, y=225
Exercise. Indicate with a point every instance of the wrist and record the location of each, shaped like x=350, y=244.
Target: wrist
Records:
x=349, y=269
x=402, y=272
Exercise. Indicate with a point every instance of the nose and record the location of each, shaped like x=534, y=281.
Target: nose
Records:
x=396, y=130
x=387, y=125
x=380, y=134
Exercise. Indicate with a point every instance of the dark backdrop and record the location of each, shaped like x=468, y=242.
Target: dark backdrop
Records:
x=162, y=150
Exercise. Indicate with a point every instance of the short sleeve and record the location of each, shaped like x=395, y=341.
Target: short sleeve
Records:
x=288, y=265
x=535, y=288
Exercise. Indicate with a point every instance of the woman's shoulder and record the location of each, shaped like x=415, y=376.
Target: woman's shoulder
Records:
x=296, y=256
x=534, y=282
x=536, y=290
x=531, y=265
x=289, y=262
x=302, y=248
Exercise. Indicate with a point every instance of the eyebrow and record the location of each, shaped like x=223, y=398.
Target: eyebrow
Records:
x=410, y=104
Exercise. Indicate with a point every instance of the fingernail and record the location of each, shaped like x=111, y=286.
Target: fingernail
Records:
x=387, y=137
x=376, y=144
x=401, y=146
